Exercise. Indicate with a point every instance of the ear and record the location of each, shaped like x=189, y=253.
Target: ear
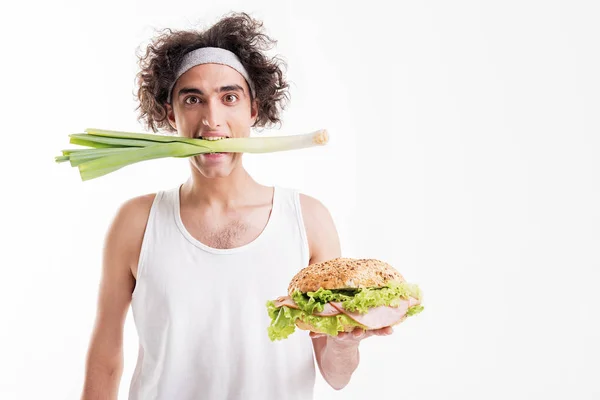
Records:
x=171, y=116
x=254, y=111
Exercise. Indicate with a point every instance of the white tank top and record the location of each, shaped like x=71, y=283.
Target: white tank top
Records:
x=201, y=315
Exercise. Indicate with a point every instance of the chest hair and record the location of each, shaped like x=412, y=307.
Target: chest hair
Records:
x=234, y=234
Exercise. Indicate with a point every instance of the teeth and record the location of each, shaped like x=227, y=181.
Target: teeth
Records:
x=212, y=137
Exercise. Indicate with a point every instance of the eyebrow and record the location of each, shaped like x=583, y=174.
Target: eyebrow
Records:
x=226, y=88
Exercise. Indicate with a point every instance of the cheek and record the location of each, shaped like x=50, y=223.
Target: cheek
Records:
x=189, y=121
x=240, y=121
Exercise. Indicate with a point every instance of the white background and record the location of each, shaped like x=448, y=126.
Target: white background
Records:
x=463, y=137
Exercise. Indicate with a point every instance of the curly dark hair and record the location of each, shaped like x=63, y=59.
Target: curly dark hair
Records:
x=236, y=32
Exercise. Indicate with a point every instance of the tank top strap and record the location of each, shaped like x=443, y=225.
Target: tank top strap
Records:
x=290, y=213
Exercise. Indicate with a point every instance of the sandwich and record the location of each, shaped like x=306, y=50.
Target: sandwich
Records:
x=342, y=294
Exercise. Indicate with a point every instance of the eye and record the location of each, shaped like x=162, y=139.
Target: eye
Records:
x=188, y=100
x=230, y=98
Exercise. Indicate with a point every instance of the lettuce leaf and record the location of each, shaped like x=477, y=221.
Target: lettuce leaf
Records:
x=308, y=304
x=283, y=319
x=358, y=299
x=283, y=322
x=414, y=310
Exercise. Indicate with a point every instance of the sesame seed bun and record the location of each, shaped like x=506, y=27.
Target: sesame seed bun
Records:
x=344, y=273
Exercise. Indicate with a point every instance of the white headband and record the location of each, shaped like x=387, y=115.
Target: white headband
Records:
x=211, y=55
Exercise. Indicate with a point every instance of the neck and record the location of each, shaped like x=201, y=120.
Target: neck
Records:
x=221, y=192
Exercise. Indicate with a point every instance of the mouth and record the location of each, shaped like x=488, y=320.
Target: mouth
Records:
x=212, y=137
x=213, y=155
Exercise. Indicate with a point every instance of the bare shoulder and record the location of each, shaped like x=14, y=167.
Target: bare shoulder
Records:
x=126, y=232
x=314, y=212
x=323, y=239
x=136, y=207
x=133, y=214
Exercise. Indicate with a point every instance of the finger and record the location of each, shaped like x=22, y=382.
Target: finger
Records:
x=316, y=335
x=383, y=331
x=358, y=333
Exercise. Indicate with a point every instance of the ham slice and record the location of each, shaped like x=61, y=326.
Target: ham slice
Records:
x=328, y=309
x=285, y=301
x=379, y=317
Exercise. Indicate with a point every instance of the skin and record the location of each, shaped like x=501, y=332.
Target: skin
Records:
x=208, y=100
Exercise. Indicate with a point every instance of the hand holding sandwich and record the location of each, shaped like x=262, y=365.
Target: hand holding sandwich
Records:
x=343, y=294
x=341, y=302
x=338, y=356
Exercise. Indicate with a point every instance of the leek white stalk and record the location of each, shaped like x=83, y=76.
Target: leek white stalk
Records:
x=109, y=151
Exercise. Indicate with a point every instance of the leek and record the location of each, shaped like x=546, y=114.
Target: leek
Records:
x=109, y=151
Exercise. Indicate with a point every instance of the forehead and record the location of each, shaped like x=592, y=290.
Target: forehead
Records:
x=211, y=76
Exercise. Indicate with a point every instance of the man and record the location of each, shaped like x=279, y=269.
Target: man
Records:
x=198, y=262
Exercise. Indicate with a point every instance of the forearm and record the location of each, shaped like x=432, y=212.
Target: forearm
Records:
x=336, y=360
x=101, y=381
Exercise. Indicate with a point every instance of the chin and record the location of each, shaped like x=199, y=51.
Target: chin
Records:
x=215, y=168
x=213, y=174
x=213, y=171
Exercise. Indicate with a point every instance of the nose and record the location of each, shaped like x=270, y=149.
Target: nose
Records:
x=212, y=117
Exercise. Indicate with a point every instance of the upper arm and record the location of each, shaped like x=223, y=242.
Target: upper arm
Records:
x=324, y=244
x=122, y=245
x=323, y=239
